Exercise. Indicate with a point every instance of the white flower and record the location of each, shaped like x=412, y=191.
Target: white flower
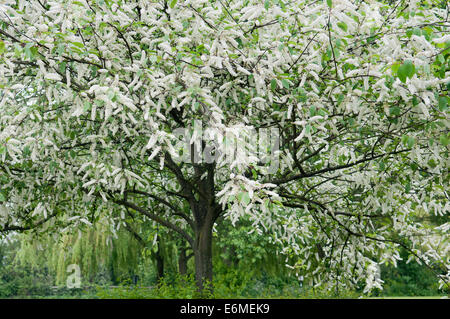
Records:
x=53, y=76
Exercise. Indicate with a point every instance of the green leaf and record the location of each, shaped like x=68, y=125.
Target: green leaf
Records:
x=410, y=142
x=395, y=110
x=278, y=203
x=417, y=32
x=34, y=51
x=442, y=71
x=404, y=139
x=196, y=106
x=285, y=83
x=78, y=44
x=442, y=103
x=2, y=47
x=406, y=70
x=173, y=3
x=62, y=67
x=444, y=139
x=244, y=198
x=402, y=76
x=100, y=103
x=329, y=3
x=432, y=163
x=308, y=129
x=87, y=106
x=26, y=151
x=394, y=67
x=2, y=197
x=342, y=25
x=273, y=84
x=266, y=4
x=408, y=187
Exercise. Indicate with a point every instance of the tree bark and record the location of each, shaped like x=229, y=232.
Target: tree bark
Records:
x=159, y=266
x=203, y=255
x=205, y=212
x=159, y=261
x=182, y=262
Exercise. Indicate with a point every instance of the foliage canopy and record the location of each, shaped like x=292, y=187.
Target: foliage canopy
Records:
x=93, y=91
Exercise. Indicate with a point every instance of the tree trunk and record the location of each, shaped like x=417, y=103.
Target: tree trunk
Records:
x=182, y=262
x=159, y=261
x=203, y=256
x=160, y=266
x=205, y=212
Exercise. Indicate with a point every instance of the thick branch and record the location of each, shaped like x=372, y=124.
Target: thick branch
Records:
x=333, y=168
x=157, y=219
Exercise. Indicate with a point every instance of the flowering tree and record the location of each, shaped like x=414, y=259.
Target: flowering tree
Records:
x=94, y=94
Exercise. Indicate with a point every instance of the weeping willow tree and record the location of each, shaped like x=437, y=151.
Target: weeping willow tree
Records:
x=101, y=256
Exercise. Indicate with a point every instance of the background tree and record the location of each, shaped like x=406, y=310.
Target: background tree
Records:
x=93, y=92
